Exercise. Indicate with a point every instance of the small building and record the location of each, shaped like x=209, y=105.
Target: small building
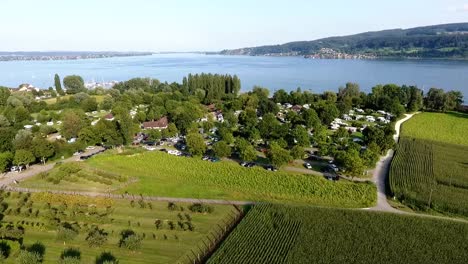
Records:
x=109, y=117
x=296, y=108
x=159, y=124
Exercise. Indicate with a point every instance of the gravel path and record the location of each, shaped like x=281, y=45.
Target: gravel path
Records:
x=10, y=177
x=381, y=172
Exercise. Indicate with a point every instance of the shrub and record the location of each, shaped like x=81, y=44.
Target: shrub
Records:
x=201, y=208
x=106, y=258
x=70, y=256
x=26, y=257
x=171, y=206
x=66, y=232
x=96, y=237
x=130, y=240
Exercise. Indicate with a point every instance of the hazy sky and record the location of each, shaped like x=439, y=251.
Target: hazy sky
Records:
x=206, y=25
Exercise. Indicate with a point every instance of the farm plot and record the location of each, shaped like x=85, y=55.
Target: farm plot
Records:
x=429, y=175
x=161, y=174
x=300, y=234
x=95, y=229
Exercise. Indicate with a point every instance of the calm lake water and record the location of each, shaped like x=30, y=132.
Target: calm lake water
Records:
x=272, y=72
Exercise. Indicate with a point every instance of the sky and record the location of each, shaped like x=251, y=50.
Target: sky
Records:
x=204, y=25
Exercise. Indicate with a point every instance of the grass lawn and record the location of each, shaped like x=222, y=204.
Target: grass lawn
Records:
x=444, y=127
x=300, y=234
x=158, y=246
x=161, y=174
x=99, y=98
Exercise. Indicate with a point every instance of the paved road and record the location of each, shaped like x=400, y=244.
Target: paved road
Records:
x=10, y=177
x=381, y=172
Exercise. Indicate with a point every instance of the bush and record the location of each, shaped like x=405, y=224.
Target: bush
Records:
x=106, y=258
x=96, y=237
x=201, y=208
x=26, y=257
x=171, y=206
x=70, y=256
x=130, y=240
x=66, y=232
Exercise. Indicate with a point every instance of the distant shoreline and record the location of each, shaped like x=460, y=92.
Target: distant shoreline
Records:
x=55, y=56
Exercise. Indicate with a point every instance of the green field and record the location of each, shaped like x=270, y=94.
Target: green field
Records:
x=40, y=214
x=295, y=234
x=430, y=175
x=161, y=174
x=443, y=127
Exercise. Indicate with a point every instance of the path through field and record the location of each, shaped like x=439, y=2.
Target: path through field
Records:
x=381, y=172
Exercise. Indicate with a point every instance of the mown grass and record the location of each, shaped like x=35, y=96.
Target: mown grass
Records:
x=158, y=246
x=299, y=234
x=443, y=127
x=161, y=174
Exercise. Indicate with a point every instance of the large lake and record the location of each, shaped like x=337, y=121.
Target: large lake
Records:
x=272, y=72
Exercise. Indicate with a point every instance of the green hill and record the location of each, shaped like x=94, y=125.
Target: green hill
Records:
x=439, y=41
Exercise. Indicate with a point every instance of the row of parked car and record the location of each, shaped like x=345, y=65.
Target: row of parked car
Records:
x=17, y=168
x=85, y=157
x=252, y=164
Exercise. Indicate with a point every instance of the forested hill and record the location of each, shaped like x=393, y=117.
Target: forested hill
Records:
x=439, y=41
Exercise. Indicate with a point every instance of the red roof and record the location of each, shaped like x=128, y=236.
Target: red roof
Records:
x=109, y=116
x=161, y=123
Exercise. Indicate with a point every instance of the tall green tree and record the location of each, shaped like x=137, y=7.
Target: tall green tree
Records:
x=278, y=156
x=58, y=85
x=5, y=161
x=221, y=149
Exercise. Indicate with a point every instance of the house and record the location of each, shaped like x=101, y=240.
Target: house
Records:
x=159, y=124
x=352, y=129
x=296, y=108
x=358, y=117
x=347, y=117
x=109, y=117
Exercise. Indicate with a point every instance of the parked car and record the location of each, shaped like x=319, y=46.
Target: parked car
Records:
x=14, y=169
x=163, y=150
x=308, y=166
x=214, y=159
x=270, y=168
x=247, y=164
x=77, y=153
x=333, y=167
x=205, y=157
x=90, y=147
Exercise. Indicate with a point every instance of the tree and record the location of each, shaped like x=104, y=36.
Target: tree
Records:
x=246, y=150
x=74, y=84
x=73, y=121
x=4, y=122
x=435, y=99
x=96, y=237
x=66, y=232
x=277, y=155
x=89, y=136
x=310, y=118
x=58, y=85
x=327, y=112
x=23, y=157
x=7, y=135
x=4, y=94
x=23, y=139
x=222, y=149
x=297, y=152
x=281, y=96
x=42, y=149
x=196, y=144
x=301, y=136
x=5, y=160
x=106, y=258
x=351, y=162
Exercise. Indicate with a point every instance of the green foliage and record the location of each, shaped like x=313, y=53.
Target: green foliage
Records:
x=277, y=155
x=246, y=150
x=5, y=160
x=42, y=149
x=66, y=232
x=222, y=149
x=201, y=208
x=196, y=144
x=23, y=157
x=130, y=240
x=296, y=234
x=74, y=84
x=58, y=85
x=73, y=121
x=96, y=237
x=27, y=257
